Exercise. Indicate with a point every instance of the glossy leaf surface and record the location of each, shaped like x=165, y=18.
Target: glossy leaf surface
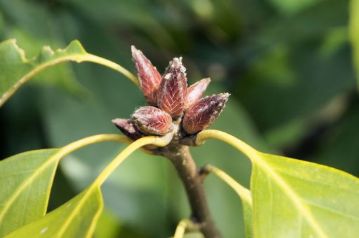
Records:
x=293, y=198
x=25, y=182
x=76, y=218
x=27, y=179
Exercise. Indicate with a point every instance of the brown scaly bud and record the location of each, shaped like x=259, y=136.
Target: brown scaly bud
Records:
x=203, y=113
x=171, y=96
x=127, y=128
x=150, y=78
x=152, y=121
x=195, y=91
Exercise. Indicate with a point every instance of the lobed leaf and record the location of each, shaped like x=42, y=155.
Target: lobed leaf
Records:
x=16, y=69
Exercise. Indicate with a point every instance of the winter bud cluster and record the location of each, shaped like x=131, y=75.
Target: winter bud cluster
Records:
x=170, y=101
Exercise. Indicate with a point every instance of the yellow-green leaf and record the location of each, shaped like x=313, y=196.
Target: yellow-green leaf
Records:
x=21, y=203
x=16, y=69
x=293, y=198
x=26, y=180
x=76, y=218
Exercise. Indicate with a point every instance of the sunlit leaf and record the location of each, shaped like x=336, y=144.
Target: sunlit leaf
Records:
x=25, y=188
x=26, y=180
x=292, y=198
x=76, y=218
x=108, y=225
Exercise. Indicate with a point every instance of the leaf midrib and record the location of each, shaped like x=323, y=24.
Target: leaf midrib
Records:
x=297, y=201
x=55, y=158
x=25, y=184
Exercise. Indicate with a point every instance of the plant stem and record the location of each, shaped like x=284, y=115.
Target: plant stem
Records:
x=187, y=170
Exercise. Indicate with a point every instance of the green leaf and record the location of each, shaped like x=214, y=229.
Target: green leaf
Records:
x=25, y=188
x=26, y=181
x=293, y=198
x=354, y=32
x=76, y=218
x=127, y=194
x=16, y=69
x=247, y=218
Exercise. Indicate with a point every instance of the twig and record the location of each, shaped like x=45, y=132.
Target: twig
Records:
x=187, y=170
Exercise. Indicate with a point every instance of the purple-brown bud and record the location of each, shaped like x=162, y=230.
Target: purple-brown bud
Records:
x=150, y=78
x=195, y=91
x=152, y=121
x=127, y=128
x=171, y=96
x=202, y=114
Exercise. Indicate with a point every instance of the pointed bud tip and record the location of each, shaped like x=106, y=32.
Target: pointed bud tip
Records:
x=176, y=64
x=134, y=50
x=127, y=127
x=150, y=78
x=117, y=120
x=224, y=96
x=137, y=54
x=204, y=112
x=176, y=61
x=207, y=80
x=172, y=93
x=196, y=90
x=120, y=122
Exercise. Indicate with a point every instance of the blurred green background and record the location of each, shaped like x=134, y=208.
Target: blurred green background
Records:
x=287, y=63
